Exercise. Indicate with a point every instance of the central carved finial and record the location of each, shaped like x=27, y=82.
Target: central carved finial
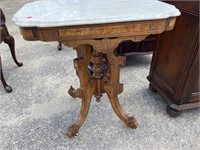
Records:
x=97, y=65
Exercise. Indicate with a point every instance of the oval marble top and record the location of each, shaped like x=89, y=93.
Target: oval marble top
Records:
x=51, y=13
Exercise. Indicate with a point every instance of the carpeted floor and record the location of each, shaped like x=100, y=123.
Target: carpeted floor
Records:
x=38, y=112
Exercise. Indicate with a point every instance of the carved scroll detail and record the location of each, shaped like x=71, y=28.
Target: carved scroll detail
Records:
x=105, y=44
x=75, y=93
x=99, y=73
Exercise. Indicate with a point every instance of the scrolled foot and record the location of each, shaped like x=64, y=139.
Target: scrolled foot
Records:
x=132, y=122
x=19, y=64
x=75, y=93
x=8, y=89
x=72, y=131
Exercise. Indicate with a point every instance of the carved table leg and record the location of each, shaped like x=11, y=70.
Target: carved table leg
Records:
x=86, y=99
x=11, y=43
x=129, y=121
x=113, y=88
x=6, y=86
x=98, y=73
x=85, y=91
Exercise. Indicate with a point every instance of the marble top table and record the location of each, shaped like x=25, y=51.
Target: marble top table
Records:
x=94, y=29
x=50, y=13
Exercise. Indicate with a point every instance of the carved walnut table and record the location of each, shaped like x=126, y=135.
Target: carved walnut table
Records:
x=94, y=29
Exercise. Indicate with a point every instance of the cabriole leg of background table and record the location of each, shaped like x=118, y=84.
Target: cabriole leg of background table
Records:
x=11, y=43
x=5, y=85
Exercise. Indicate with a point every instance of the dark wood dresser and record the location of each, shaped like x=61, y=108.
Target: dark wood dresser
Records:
x=174, y=71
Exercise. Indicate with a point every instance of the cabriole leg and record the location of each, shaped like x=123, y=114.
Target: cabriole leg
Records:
x=113, y=88
x=6, y=86
x=86, y=99
x=11, y=43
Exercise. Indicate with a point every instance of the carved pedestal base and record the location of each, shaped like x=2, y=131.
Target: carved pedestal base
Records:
x=98, y=71
x=96, y=65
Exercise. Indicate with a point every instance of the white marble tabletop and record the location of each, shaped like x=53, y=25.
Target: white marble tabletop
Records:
x=49, y=13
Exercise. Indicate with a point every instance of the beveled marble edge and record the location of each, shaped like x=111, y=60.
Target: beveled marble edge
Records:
x=77, y=12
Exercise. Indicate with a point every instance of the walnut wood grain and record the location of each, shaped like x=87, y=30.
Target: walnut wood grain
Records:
x=96, y=65
x=110, y=30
